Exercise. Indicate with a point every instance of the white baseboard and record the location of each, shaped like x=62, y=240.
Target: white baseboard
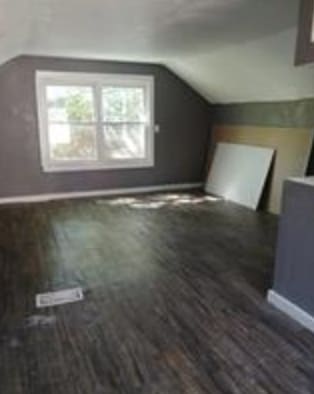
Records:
x=98, y=193
x=292, y=310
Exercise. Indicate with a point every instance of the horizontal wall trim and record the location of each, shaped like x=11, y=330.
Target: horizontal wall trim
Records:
x=98, y=193
x=290, y=309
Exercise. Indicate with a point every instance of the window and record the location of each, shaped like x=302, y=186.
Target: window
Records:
x=92, y=121
x=305, y=41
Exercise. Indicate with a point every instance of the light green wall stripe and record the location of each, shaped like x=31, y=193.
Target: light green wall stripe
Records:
x=277, y=114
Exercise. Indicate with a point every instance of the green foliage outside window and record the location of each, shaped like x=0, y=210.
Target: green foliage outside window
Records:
x=119, y=105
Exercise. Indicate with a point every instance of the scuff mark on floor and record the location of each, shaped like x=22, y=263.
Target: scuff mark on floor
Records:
x=40, y=321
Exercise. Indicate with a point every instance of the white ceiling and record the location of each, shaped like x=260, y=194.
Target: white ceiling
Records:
x=229, y=50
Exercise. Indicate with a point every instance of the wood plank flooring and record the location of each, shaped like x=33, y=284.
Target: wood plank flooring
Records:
x=174, y=300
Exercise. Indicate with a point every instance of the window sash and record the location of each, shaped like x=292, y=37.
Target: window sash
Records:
x=97, y=83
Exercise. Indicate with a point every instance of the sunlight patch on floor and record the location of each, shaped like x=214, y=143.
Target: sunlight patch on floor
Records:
x=159, y=201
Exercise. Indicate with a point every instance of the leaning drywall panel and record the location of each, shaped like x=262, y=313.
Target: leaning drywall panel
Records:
x=292, y=146
x=238, y=173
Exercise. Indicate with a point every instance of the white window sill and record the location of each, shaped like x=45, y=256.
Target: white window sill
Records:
x=57, y=168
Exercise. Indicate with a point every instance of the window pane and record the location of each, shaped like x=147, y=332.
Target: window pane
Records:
x=70, y=103
x=125, y=141
x=123, y=104
x=72, y=142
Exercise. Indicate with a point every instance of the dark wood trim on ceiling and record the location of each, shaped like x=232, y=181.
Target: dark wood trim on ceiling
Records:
x=305, y=45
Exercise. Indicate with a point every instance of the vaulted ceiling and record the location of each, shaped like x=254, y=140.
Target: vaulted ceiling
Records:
x=228, y=50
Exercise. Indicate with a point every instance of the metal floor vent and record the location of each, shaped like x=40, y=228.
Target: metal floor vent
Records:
x=59, y=297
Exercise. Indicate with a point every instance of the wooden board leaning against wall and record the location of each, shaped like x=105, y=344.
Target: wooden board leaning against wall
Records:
x=293, y=147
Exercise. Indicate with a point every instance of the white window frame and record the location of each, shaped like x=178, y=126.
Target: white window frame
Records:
x=97, y=82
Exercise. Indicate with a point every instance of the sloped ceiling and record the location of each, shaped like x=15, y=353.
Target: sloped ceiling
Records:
x=228, y=50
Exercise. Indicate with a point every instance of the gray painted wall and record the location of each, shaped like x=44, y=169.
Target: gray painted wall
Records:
x=294, y=270
x=180, y=147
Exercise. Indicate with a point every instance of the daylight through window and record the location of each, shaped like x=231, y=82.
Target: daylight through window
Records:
x=90, y=121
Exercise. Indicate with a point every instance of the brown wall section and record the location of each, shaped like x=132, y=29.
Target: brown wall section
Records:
x=181, y=145
x=305, y=45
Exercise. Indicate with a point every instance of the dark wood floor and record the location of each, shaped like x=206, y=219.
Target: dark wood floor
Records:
x=174, y=301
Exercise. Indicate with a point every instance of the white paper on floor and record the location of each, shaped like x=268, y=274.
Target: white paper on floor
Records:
x=59, y=297
x=238, y=173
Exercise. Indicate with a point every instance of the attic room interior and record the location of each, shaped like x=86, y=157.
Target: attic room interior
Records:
x=156, y=197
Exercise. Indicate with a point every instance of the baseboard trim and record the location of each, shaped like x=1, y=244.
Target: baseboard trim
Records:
x=98, y=193
x=290, y=309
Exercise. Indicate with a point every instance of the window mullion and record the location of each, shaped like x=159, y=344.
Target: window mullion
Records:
x=99, y=137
